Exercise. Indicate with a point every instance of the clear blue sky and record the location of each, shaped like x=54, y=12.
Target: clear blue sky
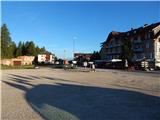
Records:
x=55, y=24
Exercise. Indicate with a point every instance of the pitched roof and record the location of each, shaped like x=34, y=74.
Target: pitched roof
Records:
x=131, y=32
x=157, y=34
x=113, y=34
x=145, y=28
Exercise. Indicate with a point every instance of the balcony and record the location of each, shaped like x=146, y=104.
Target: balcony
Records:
x=137, y=41
x=138, y=49
x=117, y=45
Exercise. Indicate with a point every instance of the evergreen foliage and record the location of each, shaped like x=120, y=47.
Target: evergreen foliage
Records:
x=95, y=56
x=7, y=45
x=127, y=52
x=10, y=50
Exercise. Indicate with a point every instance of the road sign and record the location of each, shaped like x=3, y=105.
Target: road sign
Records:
x=144, y=64
x=85, y=64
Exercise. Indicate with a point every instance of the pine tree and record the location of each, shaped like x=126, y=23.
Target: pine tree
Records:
x=19, y=49
x=10, y=50
x=127, y=52
x=7, y=46
x=30, y=48
x=13, y=49
x=95, y=56
x=23, y=49
x=42, y=50
x=37, y=50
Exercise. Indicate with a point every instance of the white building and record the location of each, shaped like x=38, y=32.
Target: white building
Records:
x=46, y=58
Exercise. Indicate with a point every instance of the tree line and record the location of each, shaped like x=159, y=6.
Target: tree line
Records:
x=9, y=49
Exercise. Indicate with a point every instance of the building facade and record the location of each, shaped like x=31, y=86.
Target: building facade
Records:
x=145, y=43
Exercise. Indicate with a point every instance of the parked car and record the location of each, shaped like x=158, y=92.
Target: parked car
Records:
x=36, y=67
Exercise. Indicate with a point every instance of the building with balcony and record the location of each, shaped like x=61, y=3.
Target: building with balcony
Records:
x=145, y=43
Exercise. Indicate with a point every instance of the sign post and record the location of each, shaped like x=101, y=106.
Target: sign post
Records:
x=144, y=65
x=85, y=64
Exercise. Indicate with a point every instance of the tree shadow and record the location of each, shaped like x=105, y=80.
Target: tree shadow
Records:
x=73, y=102
x=21, y=87
x=53, y=78
x=19, y=80
x=62, y=80
x=21, y=77
x=34, y=77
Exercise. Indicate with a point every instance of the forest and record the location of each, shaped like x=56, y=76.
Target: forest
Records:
x=9, y=49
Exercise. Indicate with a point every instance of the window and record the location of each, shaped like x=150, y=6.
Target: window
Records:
x=135, y=32
x=110, y=45
x=151, y=55
x=135, y=56
x=116, y=49
x=135, y=38
x=116, y=41
x=139, y=38
x=147, y=44
x=117, y=56
x=111, y=50
x=148, y=55
x=138, y=56
x=145, y=36
x=148, y=35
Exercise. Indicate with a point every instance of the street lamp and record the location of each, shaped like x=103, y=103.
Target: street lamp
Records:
x=74, y=38
x=64, y=54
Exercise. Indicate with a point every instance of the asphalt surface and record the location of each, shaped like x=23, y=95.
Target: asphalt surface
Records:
x=55, y=94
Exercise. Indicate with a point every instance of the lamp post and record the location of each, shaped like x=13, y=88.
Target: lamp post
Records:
x=64, y=54
x=74, y=38
x=73, y=46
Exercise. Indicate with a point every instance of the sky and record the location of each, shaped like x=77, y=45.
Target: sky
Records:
x=63, y=26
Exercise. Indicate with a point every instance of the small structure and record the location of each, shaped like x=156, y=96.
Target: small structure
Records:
x=26, y=60
x=46, y=58
x=85, y=64
x=126, y=63
x=16, y=61
x=80, y=56
x=20, y=60
x=144, y=65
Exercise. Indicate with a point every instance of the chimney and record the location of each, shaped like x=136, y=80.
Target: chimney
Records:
x=131, y=28
x=145, y=25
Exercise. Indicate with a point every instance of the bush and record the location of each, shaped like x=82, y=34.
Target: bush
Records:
x=3, y=67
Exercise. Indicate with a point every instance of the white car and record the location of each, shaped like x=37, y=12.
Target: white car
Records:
x=36, y=67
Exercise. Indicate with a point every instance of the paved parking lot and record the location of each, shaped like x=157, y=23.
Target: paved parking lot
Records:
x=55, y=94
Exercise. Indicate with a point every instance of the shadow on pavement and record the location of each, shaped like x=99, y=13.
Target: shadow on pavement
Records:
x=77, y=102
x=21, y=77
